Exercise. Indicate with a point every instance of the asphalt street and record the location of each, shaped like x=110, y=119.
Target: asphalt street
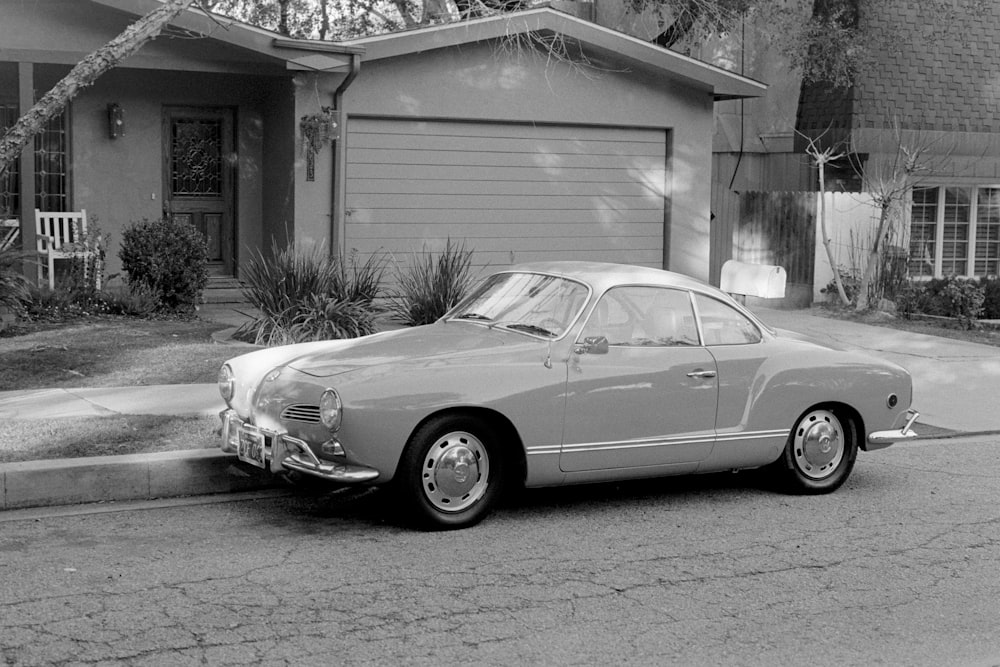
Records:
x=899, y=567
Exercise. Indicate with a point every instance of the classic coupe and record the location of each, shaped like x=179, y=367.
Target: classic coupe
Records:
x=562, y=373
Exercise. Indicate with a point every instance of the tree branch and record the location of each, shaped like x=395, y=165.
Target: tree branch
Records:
x=84, y=74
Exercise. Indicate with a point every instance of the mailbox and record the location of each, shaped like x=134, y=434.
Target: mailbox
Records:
x=760, y=280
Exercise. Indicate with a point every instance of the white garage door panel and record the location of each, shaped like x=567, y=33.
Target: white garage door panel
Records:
x=446, y=128
x=442, y=157
x=409, y=231
x=651, y=174
x=506, y=188
x=492, y=261
x=490, y=217
x=513, y=192
x=509, y=202
x=538, y=145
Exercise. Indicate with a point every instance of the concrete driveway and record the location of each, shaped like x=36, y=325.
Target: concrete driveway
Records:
x=954, y=382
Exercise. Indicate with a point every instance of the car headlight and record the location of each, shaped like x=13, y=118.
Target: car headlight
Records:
x=330, y=410
x=227, y=382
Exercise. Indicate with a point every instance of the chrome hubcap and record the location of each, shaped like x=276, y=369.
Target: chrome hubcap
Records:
x=456, y=472
x=818, y=444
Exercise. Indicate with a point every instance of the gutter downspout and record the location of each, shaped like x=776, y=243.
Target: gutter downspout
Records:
x=338, y=204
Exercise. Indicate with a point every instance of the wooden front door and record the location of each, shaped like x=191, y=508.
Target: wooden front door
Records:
x=198, y=178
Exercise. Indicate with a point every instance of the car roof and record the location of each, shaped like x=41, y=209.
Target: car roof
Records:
x=603, y=275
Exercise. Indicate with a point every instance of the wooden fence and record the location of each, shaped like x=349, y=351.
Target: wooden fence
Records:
x=776, y=228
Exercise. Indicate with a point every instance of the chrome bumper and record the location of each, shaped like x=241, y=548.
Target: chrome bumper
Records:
x=294, y=454
x=878, y=439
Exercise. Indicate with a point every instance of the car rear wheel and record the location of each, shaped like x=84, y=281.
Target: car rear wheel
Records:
x=820, y=452
x=451, y=472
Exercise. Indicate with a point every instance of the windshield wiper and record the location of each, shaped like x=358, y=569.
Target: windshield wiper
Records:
x=473, y=316
x=528, y=328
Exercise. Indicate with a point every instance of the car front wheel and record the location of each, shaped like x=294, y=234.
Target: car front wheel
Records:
x=451, y=472
x=820, y=452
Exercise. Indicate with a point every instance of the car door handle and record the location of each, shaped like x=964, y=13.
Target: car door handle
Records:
x=701, y=374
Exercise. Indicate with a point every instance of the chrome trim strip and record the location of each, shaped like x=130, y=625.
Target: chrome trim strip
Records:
x=641, y=443
x=543, y=450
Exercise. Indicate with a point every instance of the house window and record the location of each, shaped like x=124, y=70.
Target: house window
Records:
x=10, y=195
x=51, y=166
x=988, y=232
x=923, y=231
x=955, y=231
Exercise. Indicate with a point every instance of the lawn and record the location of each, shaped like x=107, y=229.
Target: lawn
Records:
x=108, y=352
x=986, y=334
x=111, y=352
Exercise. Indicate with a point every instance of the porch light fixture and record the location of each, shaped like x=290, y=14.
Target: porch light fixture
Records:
x=116, y=121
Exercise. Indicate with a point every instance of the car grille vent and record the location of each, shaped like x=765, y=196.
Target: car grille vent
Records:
x=301, y=413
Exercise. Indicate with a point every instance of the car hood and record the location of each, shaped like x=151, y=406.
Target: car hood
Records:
x=806, y=338
x=424, y=342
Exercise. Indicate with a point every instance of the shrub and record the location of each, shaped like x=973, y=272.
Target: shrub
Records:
x=432, y=284
x=305, y=295
x=325, y=316
x=933, y=300
x=991, y=298
x=13, y=285
x=87, y=272
x=850, y=279
x=169, y=258
x=138, y=301
x=908, y=299
x=944, y=297
x=966, y=301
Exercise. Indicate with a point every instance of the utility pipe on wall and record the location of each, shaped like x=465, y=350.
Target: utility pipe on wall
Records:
x=338, y=212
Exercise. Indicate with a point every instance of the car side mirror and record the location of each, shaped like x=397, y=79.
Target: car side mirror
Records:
x=592, y=345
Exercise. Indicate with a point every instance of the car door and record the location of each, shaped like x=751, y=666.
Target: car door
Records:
x=641, y=389
x=739, y=350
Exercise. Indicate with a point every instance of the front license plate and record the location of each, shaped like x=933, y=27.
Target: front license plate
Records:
x=250, y=447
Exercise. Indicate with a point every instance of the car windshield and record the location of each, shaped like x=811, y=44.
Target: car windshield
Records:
x=532, y=303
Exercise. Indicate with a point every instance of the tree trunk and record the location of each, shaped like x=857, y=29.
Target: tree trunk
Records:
x=826, y=238
x=324, y=23
x=873, y=255
x=84, y=74
x=283, y=14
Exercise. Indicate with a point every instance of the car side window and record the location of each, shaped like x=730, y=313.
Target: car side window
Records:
x=721, y=324
x=644, y=317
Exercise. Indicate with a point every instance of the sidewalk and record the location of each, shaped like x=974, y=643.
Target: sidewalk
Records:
x=954, y=389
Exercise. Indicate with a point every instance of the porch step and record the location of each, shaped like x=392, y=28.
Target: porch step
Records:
x=223, y=282
x=223, y=290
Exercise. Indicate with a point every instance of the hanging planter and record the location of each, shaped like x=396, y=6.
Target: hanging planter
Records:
x=318, y=129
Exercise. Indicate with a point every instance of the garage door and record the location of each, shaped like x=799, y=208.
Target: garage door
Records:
x=513, y=193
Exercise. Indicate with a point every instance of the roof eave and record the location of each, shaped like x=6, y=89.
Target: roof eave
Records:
x=721, y=83
x=235, y=33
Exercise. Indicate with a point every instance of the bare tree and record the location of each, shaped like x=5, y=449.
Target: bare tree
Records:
x=84, y=74
x=890, y=183
x=821, y=157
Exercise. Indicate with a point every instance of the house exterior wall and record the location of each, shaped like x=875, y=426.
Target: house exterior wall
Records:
x=476, y=82
x=120, y=181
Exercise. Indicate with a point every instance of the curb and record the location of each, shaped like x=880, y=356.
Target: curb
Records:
x=198, y=472
x=128, y=477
